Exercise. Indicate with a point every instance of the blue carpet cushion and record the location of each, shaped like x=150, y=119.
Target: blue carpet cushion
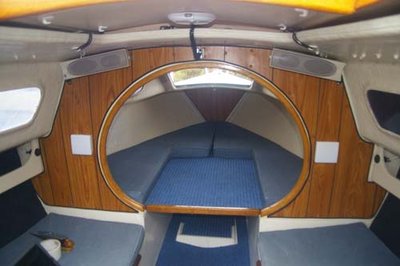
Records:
x=207, y=225
x=232, y=141
x=174, y=253
x=192, y=141
x=139, y=168
x=278, y=171
x=350, y=245
x=96, y=242
x=215, y=182
x=277, y=168
x=136, y=169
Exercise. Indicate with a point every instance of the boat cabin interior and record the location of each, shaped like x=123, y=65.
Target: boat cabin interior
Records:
x=247, y=132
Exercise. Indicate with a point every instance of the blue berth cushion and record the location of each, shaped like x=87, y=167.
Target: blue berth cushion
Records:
x=96, y=242
x=192, y=141
x=215, y=182
x=278, y=171
x=138, y=168
x=277, y=168
x=345, y=245
x=232, y=141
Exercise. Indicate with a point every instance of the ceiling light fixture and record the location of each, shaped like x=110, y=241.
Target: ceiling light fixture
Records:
x=191, y=18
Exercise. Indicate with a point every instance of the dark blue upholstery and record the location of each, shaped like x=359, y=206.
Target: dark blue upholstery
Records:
x=278, y=171
x=207, y=225
x=351, y=245
x=277, y=168
x=192, y=141
x=96, y=242
x=232, y=141
x=174, y=253
x=138, y=168
x=216, y=182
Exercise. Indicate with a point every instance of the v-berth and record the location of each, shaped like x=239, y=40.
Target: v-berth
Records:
x=181, y=132
x=164, y=157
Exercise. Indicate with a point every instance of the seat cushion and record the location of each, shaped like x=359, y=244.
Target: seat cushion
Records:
x=277, y=168
x=278, y=171
x=232, y=141
x=215, y=182
x=136, y=169
x=96, y=242
x=192, y=141
x=352, y=244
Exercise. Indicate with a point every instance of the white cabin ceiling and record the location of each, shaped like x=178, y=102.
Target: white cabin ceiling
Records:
x=136, y=24
x=122, y=15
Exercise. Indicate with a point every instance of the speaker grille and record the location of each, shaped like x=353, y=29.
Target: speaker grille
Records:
x=110, y=61
x=289, y=61
x=320, y=67
x=306, y=64
x=82, y=67
x=96, y=63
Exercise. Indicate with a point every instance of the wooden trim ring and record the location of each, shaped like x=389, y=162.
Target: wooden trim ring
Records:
x=120, y=100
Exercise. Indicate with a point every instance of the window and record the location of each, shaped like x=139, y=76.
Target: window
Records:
x=18, y=107
x=386, y=108
x=209, y=77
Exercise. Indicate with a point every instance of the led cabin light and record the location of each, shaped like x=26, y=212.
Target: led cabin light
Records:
x=191, y=18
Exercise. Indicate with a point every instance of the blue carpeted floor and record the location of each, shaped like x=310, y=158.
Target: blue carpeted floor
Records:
x=219, y=226
x=215, y=182
x=176, y=254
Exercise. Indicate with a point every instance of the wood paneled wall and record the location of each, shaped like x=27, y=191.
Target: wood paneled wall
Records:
x=332, y=190
x=208, y=102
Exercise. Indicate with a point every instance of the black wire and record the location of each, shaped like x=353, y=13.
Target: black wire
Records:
x=86, y=44
x=308, y=47
x=196, y=54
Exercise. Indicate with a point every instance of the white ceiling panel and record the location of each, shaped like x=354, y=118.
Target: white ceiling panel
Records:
x=138, y=13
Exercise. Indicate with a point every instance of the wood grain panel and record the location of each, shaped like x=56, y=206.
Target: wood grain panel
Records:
x=251, y=58
x=145, y=60
x=304, y=92
x=56, y=165
x=328, y=125
x=339, y=190
x=103, y=89
x=209, y=52
x=214, y=52
x=203, y=210
x=215, y=104
x=329, y=110
x=352, y=195
x=76, y=119
x=183, y=54
x=298, y=207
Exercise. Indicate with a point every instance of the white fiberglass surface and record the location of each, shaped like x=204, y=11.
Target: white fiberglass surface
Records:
x=18, y=107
